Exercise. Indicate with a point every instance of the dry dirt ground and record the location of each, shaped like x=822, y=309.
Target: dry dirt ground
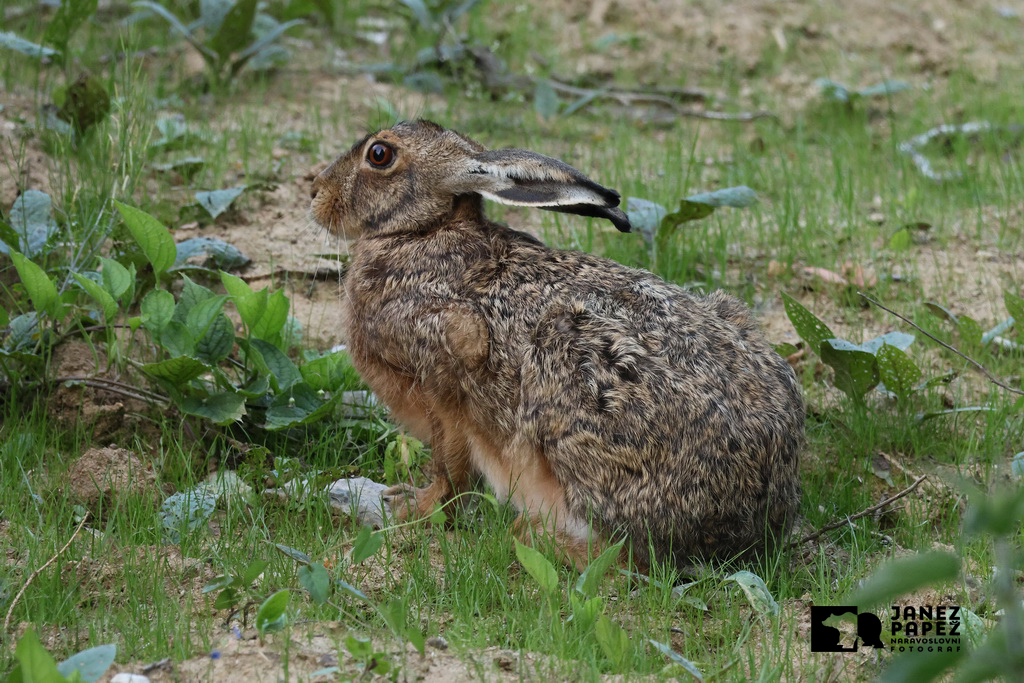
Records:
x=273, y=229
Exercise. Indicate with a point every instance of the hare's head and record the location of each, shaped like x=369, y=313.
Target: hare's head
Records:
x=412, y=178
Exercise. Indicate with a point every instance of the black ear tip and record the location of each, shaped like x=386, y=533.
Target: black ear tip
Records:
x=620, y=220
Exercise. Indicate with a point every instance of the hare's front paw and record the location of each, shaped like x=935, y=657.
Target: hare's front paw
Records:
x=408, y=502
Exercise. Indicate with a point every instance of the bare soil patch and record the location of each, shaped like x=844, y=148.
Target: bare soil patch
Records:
x=101, y=476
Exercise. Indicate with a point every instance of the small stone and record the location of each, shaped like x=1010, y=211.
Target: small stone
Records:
x=437, y=642
x=129, y=678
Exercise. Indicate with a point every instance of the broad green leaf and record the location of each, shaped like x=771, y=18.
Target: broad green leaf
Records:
x=757, y=593
x=216, y=344
x=235, y=29
x=151, y=236
x=585, y=611
x=1015, y=306
x=297, y=555
x=898, y=373
x=283, y=371
x=216, y=202
x=537, y=566
x=187, y=168
x=738, y=197
x=223, y=408
x=257, y=388
x=898, y=577
x=188, y=510
x=785, y=349
x=176, y=370
x=901, y=240
x=157, y=308
x=176, y=339
x=297, y=406
x=970, y=331
x=940, y=311
x=221, y=582
x=352, y=590
x=590, y=579
x=900, y=340
x=677, y=658
x=90, y=664
x=315, y=580
x=219, y=252
x=812, y=330
x=360, y=648
x=545, y=99
x=688, y=211
x=32, y=223
x=645, y=216
x=99, y=295
x=38, y=285
x=116, y=278
x=274, y=317
x=614, y=641
x=37, y=666
x=326, y=373
x=235, y=286
x=856, y=371
x=14, y=42
x=227, y=599
x=367, y=543
x=192, y=294
x=998, y=513
x=202, y=314
x=271, y=614
x=265, y=314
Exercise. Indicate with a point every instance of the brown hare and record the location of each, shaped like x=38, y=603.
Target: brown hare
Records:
x=603, y=402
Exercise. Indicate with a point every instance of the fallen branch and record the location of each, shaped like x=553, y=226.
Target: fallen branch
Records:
x=863, y=513
x=494, y=76
x=115, y=387
x=992, y=378
x=33, y=575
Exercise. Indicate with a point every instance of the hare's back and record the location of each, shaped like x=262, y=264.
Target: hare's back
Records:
x=660, y=408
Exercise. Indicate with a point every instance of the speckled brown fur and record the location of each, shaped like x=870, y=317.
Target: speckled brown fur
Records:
x=597, y=397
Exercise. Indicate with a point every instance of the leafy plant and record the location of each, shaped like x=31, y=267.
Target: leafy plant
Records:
x=203, y=368
x=997, y=654
x=229, y=35
x=880, y=363
x=655, y=223
x=36, y=665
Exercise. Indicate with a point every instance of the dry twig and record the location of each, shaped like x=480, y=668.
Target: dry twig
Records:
x=33, y=575
x=992, y=378
x=863, y=513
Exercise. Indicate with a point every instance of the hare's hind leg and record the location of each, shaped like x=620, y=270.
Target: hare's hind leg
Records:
x=521, y=476
x=448, y=472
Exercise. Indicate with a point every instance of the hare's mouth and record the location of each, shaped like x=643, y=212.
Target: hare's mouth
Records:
x=325, y=209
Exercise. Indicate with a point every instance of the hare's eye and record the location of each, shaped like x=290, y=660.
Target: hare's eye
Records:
x=380, y=155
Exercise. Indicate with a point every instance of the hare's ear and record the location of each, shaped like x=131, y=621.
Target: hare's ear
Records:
x=520, y=178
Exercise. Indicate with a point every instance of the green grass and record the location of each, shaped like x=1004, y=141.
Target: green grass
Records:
x=820, y=176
